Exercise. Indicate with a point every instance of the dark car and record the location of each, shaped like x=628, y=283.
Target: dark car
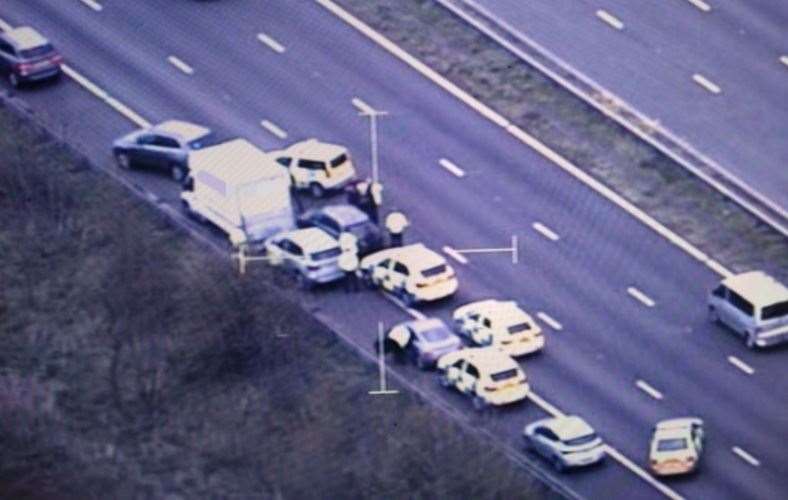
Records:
x=165, y=146
x=336, y=219
x=420, y=341
x=26, y=56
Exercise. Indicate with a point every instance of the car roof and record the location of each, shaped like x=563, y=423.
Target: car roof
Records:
x=758, y=288
x=422, y=325
x=184, y=130
x=25, y=37
x=313, y=149
x=489, y=359
x=345, y=215
x=312, y=239
x=236, y=162
x=568, y=427
x=504, y=311
x=417, y=256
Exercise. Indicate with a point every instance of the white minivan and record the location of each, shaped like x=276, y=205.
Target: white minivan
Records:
x=754, y=305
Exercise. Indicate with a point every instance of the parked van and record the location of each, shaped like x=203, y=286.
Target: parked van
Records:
x=241, y=190
x=754, y=305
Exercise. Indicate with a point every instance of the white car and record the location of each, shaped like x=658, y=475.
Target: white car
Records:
x=311, y=254
x=499, y=323
x=414, y=273
x=676, y=446
x=486, y=374
x=566, y=441
x=317, y=166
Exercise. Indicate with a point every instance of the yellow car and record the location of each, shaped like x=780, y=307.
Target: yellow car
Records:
x=499, y=323
x=676, y=446
x=414, y=273
x=317, y=166
x=486, y=374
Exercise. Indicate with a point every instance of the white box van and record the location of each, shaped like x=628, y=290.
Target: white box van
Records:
x=754, y=305
x=241, y=190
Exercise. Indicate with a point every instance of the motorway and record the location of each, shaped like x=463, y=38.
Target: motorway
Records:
x=717, y=78
x=608, y=339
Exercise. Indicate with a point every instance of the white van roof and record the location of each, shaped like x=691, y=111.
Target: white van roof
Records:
x=758, y=288
x=236, y=162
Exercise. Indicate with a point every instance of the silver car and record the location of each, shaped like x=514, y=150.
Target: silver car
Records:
x=420, y=341
x=310, y=254
x=566, y=441
x=26, y=56
x=165, y=146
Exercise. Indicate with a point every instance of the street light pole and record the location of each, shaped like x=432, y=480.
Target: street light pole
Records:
x=367, y=110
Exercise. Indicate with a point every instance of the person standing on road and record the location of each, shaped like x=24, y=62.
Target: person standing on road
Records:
x=375, y=197
x=396, y=223
x=348, y=263
x=295, y=197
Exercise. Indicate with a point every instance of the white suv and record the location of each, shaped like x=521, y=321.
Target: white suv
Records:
x=486, y=374
x=414, y=273
x=500, y=323
x=317, y=166
x=311, y=254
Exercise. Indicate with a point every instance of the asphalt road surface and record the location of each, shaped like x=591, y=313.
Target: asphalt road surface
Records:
x=608, y=340
x=739, y=47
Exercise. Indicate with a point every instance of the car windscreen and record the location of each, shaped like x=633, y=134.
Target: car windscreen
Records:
x=504, y=375
x=208, y=139
x=339, y=160
x=774, y=311
x=435, y=334
x=672, y=444
x=434, y=271
x=519, y=328
x=581, y=440
x=39, y=51
x=326, y=254
x=360, y=229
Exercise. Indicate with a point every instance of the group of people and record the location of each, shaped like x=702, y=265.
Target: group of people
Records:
x=367, y=196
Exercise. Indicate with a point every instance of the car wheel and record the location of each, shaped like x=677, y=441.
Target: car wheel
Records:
x=750, y=341
x=714, y=316
x=366, y=278
x=407, y=298
x=422, y=363
x=316, y=190
x=123, y=160
x=304, y=283
x=13, y=80
x=527, y=444
x=478, y=403
x=558, y=464
x=178, y=173
x=444, y=381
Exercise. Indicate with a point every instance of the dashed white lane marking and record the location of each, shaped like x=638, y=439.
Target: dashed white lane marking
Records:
x=746, y=456
x=706, y=83
x=741, y=365
x=701, y=5
x=274, y=129
x=454, y=254
x=93, y=5
x=362, y=106
x=645, y=387
x=784, y=60
x=610, y=19
x=181, y=65
x=104, y=96
x=5, y=26
x=451, y=167
x=555, y=325
x=629, y=464
x=545, y=231
x=641, y=297
x=271, y=43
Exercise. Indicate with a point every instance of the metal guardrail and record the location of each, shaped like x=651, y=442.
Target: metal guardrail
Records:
x=622, y=112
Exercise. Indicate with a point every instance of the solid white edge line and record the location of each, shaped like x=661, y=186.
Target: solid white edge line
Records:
x=700, y=4
x=271, y=43
x=544, y=405
x=521, y=135
x=555, y=325
x=645, y=387
x=610, y=19
x=545, y=231
x=784, y=59
x=178, y=63
x=5, y=26
x=274, y=129
x=706, y=83
x=84, y=82
x=746, y=456
x=741, y=365
x=93, y=5
x=629, y=464
x=362, y=106
x=451, y=167
x=412, y=312
x=127, y=112
x=454, y=254
x=640, y=297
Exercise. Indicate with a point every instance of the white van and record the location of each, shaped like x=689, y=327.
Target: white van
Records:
x=754, y=305
x=240, y=189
